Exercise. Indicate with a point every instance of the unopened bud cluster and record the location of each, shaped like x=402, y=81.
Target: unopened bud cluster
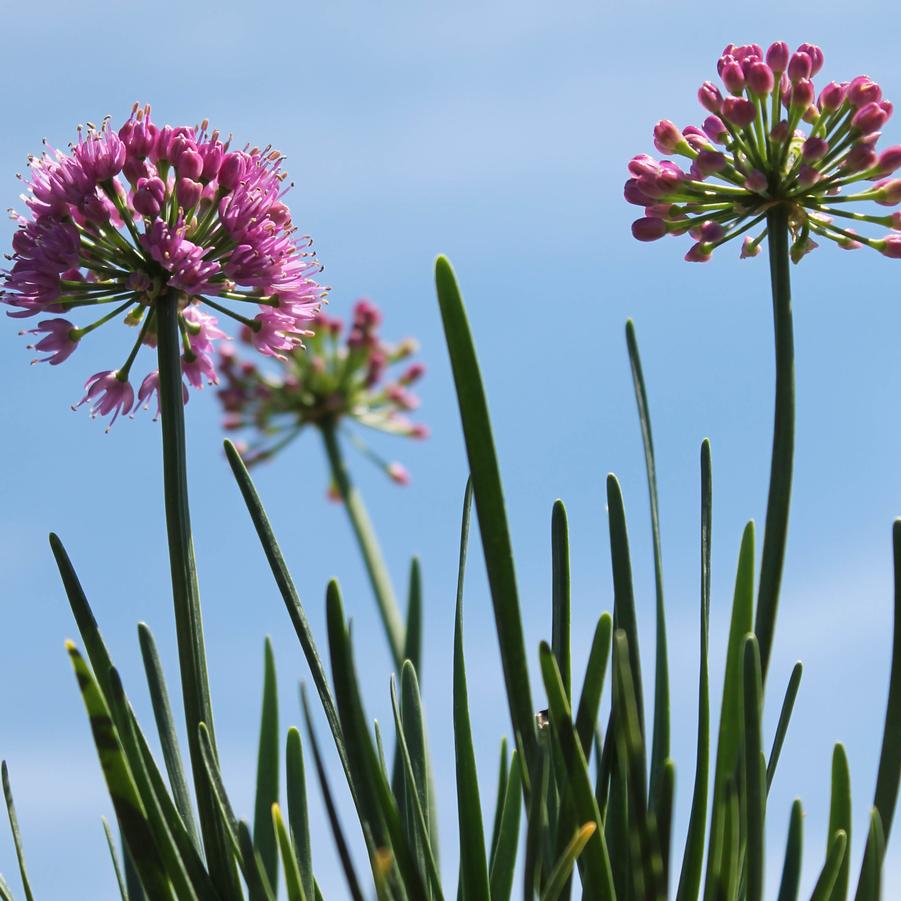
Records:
x=770, y=139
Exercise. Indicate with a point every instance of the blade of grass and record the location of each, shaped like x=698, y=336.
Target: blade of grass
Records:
x=560, y=594
x=788, y=704
x=664, y=815
x=120, y=879
x=5, y=891
x=165, y=725
x=499, y=802
x=660, y=741
x=693, y=857
x=791, y=869
x=840, y=818
x=755, y=771
x=258, y=882
x=264, y=839
x=559, y=875
x=503, y=860
x=353, y=883
x=597, y=876
x=298, y=817
x=829, y=874
x=14, y=828
x=536, y=827
x=870, y=886
x=126, y=802
x=293, y=881
x=593, y=683
x=486, y=482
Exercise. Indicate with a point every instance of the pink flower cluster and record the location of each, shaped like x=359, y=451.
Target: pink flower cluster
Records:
x=125, y=220
x=752, y=152
x=331, y=382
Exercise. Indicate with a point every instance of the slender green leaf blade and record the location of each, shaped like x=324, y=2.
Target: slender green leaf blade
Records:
x=503, y=860
x=829, y=874
x=298, y=817
x=840, y=818
x=14, y=827
x=870, y=886
x=559, y=875
x=788, y=704
x=791, y=869
x=293, y=881
x=114, y=857
x=755, y=771
x=593, y=684
x=264, y=839
x=499, y=802
x=560, y=594
x=490, y=507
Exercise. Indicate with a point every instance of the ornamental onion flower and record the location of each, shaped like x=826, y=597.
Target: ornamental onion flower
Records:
x=770, y=140
x=121, y=222
x=330, y=383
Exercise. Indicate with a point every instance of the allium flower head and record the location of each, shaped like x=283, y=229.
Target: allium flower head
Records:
x=121, y=222
x=341, y=376
x=770, y=139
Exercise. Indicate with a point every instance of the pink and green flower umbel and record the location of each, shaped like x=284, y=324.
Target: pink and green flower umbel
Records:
x=769, y=140
x=335, y=380
x=122, y=221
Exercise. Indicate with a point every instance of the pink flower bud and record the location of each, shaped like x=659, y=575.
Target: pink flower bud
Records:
x=699, y=253
x=148, y=196
x=709, y=162
x=667, y=137
x=231, y=170
x=869, y=118
x=212, y=154
x=814, y=149
x=847, y=243
x=648, y=229
x=860, y=158
x=710, y=97
x=643, y=165
x=711, y=231
x=802, y=94
x=760, y=79
x=815, y=55
x=777, y=57
x=188, y=193
x=832, y=96
x=739, y=111
x=863, y=90
x=398, y=474
x=896, y=220
x=756, y=182
x=779, y=132
x=749, y=247
x=715, y=130
x=889, y=160
x=889, y=192
x=800, y=67
x=807, y=176
x=890, y=247
x=733, y=78
x=634, y=194
x=190, y=164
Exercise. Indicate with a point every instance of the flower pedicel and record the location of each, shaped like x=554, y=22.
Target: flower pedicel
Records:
x=125, y=220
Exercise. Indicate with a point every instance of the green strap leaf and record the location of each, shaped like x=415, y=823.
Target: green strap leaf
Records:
x=660, y=741
x=490, y=507
x=165, y=725
x=503, y=860
x=559, y=875
x=597, y=876
x=473, y=863
x=5, y=891
x=298, y=817
x=413, y=631
x=664, y=815
x=560, y=594
x=829, y=874
x=14, y=827
x=110, y=843
x=537, y=823
x=127, y=803
x=593, y=683
x=693, y=857
x=353, y=883
x=870, y=886
x=840, y=818
x=418, y=825
x=788, y=704
x=791, y=869
x=755, y=771
x=293, y=881
x=499, y=802
x=264, y=839
x=624, y=599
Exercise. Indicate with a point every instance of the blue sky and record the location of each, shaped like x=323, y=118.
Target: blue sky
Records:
x=498, y=134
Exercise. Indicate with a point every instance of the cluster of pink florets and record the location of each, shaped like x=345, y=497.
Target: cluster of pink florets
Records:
x=751, y=154
x=331, y=382
x=122, y=220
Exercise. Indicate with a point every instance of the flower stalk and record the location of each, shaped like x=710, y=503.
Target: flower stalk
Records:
x=363, y=531
x=778, y=500
x=185, y=589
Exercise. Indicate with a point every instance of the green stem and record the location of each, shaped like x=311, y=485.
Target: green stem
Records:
x=774, y=537
x=185, y=591
x=369, y=546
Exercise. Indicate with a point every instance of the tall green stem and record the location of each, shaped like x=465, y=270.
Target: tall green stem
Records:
x=369, y=546
x=776, y=529
x=185, y=591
